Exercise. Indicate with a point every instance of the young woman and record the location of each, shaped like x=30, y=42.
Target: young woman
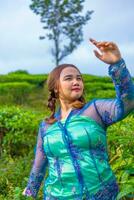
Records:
x=72, y=142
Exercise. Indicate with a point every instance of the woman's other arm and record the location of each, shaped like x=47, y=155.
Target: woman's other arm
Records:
x=38, y=170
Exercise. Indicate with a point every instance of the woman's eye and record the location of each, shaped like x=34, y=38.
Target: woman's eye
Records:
x=79, y=78
x=68, y=79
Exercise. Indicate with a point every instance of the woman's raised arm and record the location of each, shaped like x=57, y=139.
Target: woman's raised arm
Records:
x=113, y=110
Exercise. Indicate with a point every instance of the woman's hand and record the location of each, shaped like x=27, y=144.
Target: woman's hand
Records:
x=26, y=194
x=23, y=193
x=110, y=53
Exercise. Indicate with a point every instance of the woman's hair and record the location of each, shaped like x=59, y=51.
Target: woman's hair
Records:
x=53, y=87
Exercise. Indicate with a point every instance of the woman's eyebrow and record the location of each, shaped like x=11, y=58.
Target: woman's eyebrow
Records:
x=70, y=75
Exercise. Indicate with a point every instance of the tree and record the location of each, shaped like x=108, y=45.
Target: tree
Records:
x=63, y=23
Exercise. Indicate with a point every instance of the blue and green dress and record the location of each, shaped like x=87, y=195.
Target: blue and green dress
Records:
x=74, y=150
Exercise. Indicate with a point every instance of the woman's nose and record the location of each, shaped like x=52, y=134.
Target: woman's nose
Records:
x=75, y=82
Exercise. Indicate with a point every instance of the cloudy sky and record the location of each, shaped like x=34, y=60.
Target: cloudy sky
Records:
x=20, y=28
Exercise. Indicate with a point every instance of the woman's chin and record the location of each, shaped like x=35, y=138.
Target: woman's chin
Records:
x=75, y=97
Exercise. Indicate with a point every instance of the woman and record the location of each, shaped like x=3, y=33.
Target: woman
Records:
x=72, y=141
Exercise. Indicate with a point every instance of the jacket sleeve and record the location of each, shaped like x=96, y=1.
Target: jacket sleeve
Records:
x=38, y=169
x=113, y=110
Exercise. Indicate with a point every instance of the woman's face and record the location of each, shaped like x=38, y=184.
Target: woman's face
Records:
x=70, y=84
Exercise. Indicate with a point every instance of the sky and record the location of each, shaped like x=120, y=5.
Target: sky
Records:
x=20, y=28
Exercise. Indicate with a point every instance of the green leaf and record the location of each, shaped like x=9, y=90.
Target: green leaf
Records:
x=127, y=190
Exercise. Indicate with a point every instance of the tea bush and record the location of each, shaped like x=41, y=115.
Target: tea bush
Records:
x=121, y=153
x=18, y=135
x=17, y=92
x=29, y=78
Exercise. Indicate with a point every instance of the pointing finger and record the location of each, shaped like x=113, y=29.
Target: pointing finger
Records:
x=93, y=41
x=97, y=54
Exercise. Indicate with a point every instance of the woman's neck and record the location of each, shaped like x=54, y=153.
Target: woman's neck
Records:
x=65, y=109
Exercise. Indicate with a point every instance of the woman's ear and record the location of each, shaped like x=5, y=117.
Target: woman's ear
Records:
x=56, y=93
x=55, y=90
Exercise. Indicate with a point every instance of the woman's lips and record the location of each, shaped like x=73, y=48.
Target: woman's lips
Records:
x=76, y=89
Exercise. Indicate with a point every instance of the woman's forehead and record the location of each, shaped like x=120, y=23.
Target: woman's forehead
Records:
x=69, y=71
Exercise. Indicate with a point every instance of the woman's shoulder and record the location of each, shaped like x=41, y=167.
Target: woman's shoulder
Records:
x=89, y=103
x=86, y=106
x=42, y=123
x=42, y=127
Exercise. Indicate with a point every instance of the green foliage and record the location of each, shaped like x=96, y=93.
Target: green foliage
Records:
x=21, y=88
x=99, y=90
x=16, y=126
x=64, y=23
x=17, y=92
x=121, y=153
x=96, y=79
x=14, y=177
x=33, y=79
x=98, y=87
x=20, y=71
x=18, y=135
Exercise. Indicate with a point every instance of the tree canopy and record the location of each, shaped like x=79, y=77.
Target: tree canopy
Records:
x=63, y=23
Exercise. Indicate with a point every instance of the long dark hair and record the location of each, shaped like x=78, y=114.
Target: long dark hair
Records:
x=52, y=86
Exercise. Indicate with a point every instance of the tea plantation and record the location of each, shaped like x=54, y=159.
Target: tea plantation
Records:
x=23, y=99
